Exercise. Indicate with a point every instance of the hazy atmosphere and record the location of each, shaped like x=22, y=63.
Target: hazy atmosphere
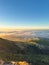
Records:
x=24, y=32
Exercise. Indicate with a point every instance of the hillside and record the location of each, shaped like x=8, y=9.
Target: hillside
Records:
x=23, y=51
x=8, y=49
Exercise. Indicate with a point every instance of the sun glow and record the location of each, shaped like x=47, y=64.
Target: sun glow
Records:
x=22, y=28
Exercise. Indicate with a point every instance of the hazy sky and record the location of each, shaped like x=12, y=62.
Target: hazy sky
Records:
x=24, y=13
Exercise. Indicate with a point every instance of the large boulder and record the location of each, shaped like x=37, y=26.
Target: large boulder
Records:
x=20, y=63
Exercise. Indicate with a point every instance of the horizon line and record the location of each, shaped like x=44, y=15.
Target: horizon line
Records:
x=22, y=28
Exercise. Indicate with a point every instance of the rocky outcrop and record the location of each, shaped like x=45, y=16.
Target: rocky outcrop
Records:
x=14, y=63
x=20, y=63
x=1, y=62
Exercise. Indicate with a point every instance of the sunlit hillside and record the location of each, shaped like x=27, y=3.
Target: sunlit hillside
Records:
x=25, y=51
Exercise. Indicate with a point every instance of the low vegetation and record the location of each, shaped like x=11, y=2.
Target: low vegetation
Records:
x=37, y=54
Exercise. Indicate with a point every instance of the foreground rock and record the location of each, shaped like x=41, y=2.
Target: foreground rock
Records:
x=21, y=63
x=14, y=63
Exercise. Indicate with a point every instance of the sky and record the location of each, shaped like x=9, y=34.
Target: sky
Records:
x=24, y=14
